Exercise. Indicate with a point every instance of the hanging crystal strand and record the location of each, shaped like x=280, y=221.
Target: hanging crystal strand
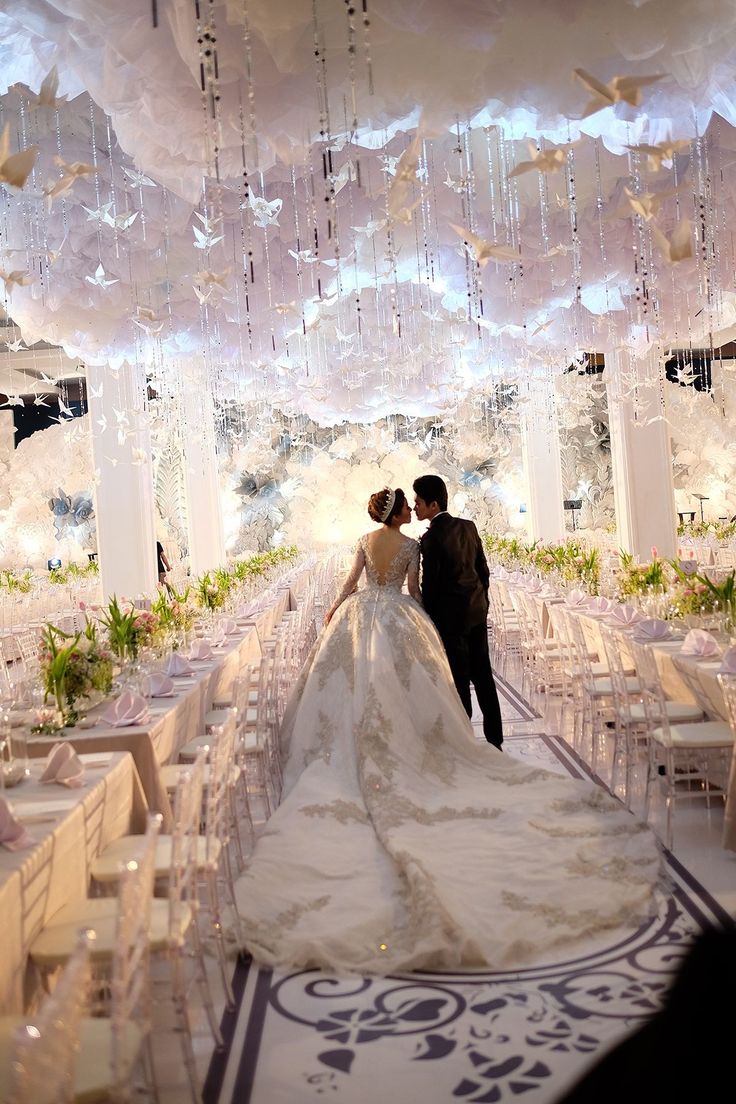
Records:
x=706, y=243
x=249, y=85
x=367, y=46
x=96, y=177
x=112, y=193
x=246, y=236
x=350, y=12
x=577, y=276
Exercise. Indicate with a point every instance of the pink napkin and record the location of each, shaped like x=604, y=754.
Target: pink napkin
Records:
x=229, y=627
x=627, y=615
x=200, y=650
x=178, y=665
x=652, y=628
x=160, y=685
x=698, y=642
x=128, y=709
x=689, y=567
x=13, y=835
x=63, y=766
x=547, y=591
x=534, y=586
x=577, y=597
x=728, y=663
x=599, y=604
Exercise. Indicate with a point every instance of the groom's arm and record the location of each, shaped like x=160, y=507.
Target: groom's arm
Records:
x=481, y=563
x=430, y=575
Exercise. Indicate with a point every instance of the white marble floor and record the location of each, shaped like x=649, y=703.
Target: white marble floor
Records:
x=481, y=1036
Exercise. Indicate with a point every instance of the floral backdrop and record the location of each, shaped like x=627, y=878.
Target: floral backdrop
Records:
x=291, y=481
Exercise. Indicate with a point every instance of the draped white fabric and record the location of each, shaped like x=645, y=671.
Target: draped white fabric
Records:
x=402, y=842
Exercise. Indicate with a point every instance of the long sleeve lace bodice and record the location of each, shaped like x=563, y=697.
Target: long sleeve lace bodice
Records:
x=403, y=565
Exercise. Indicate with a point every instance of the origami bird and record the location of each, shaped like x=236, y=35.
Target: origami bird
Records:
x=15, y=168
x=99, y=279
x=543, y=161
x=47, y=92
x=662, y=153
x=264, y=213
x=371, y=227
x=618, y=90
x=679, y=245
x=139, y=179
x=16, y=278
x=484, y=251
x=69, y=174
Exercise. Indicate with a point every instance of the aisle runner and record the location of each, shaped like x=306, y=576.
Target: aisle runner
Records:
x=485, y=1036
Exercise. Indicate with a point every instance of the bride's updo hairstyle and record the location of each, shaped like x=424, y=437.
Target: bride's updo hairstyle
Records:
x=381, y=508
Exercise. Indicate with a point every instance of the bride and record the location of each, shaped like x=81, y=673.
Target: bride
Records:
x=402, y=841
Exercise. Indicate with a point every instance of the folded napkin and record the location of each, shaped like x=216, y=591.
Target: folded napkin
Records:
x=228, y=627
x=63, y=766
x=547, y=591
x=13, y=835
x=599, y=604
x=728, y=663
x=652, y=628
x=689, y=567
x=178, y=665
x=534, y=586
x=577, y=597
x=698, y=642
x=200, y=650
x=129, y=709
x=627, y=615
x=160, y=685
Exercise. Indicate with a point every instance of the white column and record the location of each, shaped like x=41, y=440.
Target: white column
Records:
x=641, y=455
x=126, y=541
x=540, y=450
x=205, y=530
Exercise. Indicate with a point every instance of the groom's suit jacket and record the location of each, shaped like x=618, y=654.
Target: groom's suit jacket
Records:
x=454, y=575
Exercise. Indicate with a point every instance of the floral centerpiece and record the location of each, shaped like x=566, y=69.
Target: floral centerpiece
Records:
x=128, y=628
x=175, y=615
x=211, y=589
x=73, y=667
x=641, y=578
x=723, y=594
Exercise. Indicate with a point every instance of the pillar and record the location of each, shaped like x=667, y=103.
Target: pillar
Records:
x=205, y=529
x=540, y=450
x=641, y=454
x=124, y=506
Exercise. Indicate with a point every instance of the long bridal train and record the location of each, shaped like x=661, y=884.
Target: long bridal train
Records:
x=402, y=842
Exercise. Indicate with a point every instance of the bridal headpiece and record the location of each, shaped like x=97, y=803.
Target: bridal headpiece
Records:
x=390, y=500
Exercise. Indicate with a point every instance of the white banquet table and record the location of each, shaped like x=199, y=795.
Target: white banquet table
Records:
x=174, y=721
x=70, y=827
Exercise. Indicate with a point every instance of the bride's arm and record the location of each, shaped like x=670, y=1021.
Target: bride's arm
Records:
x=412, y=579
x=351, y=582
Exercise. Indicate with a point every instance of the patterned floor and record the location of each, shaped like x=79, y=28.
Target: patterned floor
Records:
x=475, y=1037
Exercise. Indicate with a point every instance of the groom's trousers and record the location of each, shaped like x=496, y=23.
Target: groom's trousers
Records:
x=470, y=663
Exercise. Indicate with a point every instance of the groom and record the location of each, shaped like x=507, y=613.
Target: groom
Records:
x=455, y=595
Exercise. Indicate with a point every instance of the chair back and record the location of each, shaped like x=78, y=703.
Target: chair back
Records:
x=217, y=810
x=727, y=684
x=131, y=984
x=182, y=883
x=44, y=1050
x=653, y=696
x=622, y=697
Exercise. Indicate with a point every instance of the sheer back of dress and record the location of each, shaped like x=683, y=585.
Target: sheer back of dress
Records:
x=386, y=562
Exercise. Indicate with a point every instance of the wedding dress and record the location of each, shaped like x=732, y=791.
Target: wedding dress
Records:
x=403, y=841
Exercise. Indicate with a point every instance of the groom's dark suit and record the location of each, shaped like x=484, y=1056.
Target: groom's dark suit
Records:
x=455, y=595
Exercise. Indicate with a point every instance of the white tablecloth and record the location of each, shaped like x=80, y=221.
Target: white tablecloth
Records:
x=36, y=882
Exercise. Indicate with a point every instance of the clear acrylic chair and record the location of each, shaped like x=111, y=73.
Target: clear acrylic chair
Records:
x=116, y=1044
x=685, y=758
x=182, y=859
x=38, y=1052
